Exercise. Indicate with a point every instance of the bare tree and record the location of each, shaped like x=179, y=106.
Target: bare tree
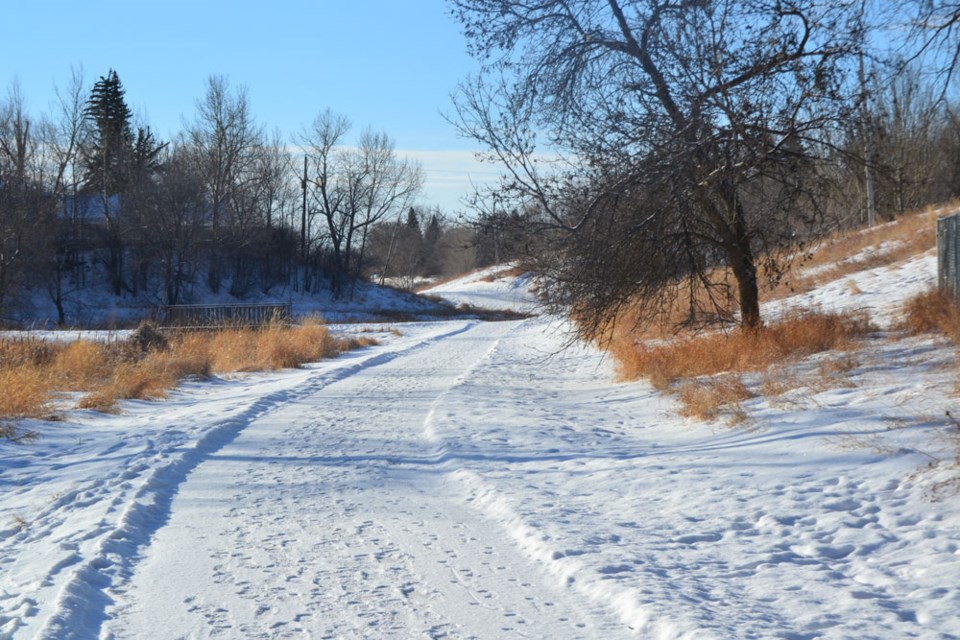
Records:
x=386, y=184
x=177, y=227
x=223, y=136
x=64, y=137
x=689, y=129
x=26, y=207
x=934, y=29
x=353, y=188
x=322, y=144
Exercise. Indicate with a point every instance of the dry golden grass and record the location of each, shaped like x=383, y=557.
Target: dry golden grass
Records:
x=657, y=352
x=884, y=244
x=26, y=391
x=30, y=371
x=358, y=342
x=704, y=399
x=17, y=352
x=838, y=366
x=778, y=380
x=932, y=312
x=739, y=350
x=81, y=365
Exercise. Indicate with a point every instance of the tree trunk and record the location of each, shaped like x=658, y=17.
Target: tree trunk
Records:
x=740, y=258
x=745, y=271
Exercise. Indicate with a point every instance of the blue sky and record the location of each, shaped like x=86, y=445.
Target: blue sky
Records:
x=390, y=65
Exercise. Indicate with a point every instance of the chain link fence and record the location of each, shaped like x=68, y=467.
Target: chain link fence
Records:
x=948, y=255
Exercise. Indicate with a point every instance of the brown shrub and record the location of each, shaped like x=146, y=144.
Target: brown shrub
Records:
x=148, y=338
x=932, y=312
x=705, y=398
x=739, y=350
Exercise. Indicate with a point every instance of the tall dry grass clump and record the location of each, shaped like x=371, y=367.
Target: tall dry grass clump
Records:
x=276, y=346
x=150, y=364
x=739, y=350
x=705, y=399
x=932, y=312
x=25, y=387
x=81, y=365
x=14, y=353
x=280, y=347
x=25, y=391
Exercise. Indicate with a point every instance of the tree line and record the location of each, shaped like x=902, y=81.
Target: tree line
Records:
x=89, y=198
x=660, y=148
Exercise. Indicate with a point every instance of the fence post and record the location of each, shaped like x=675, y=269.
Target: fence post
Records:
x=948, y=255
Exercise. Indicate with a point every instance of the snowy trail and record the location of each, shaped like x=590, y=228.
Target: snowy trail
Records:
x=466, y=479
x=338, y=516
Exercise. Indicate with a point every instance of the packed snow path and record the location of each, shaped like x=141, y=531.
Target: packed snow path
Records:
x=471, y=479
x=335, y=516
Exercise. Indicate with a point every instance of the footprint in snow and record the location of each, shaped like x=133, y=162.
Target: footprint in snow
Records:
x=700, y=537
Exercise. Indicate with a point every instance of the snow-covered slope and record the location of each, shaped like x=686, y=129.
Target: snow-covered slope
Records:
x=470, y=479
x=361, y=301
x=496, y=288
x=880, y=292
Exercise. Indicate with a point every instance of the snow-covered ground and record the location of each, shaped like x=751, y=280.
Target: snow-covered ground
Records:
x=471, y=479
x=496, y=288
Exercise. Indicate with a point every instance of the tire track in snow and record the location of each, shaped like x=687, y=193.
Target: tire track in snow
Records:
x=80, y=605
x=334, y=517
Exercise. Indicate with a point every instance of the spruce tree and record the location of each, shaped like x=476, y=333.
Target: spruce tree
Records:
x=108, y=159
x=109, y=153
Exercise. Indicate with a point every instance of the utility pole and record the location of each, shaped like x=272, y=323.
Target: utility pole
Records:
x=303, y=225
x=867, y=140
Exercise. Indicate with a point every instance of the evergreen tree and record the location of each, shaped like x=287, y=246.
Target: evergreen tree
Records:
x=431, y=262
x=413, y=221
x=111, y=146
x=108, y=159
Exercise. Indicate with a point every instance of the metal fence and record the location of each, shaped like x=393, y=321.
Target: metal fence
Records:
x=948, y=255
x=198, y=316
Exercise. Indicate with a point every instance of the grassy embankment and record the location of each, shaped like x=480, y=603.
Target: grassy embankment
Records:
x=33, y=372
x=705, y=370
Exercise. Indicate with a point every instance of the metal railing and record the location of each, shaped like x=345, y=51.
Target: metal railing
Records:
x=209, y=316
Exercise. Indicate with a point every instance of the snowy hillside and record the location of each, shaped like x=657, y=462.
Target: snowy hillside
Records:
x=97, y=308
x=474, y=480
x=496, y=288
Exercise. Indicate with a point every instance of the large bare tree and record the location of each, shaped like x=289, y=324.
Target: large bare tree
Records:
x=224, y=138
x=354, y=187
x=679, y=135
